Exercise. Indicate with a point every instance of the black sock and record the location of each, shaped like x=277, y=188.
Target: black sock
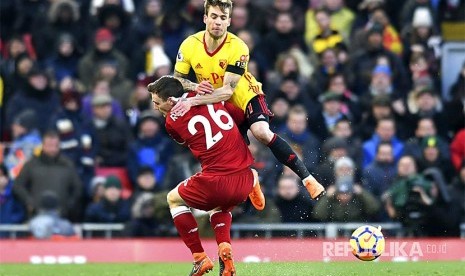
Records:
x=283, y=152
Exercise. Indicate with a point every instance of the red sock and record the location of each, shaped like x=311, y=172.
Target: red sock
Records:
x=187, y=228
x=221, y=224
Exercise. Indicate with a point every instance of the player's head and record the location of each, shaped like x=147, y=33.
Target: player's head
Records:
x=217, y=17
x=162, y=89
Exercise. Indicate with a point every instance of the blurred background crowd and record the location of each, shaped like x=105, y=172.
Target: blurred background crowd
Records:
x=356, y=88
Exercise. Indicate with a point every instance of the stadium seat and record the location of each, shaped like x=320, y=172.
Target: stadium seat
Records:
x=122, y=174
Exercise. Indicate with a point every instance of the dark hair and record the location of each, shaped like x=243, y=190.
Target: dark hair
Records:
x=322, y=10
x=50, y=134
x=222, y=4
x=383, y=144
x=165, y=87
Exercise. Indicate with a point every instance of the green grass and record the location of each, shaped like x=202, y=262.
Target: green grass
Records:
x=244, y=269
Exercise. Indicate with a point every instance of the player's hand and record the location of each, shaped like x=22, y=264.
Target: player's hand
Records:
x=182, y=106
x=204, y=87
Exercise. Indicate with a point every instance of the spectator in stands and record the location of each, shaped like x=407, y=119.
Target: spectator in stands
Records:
x=285, y=6
x=294, y=205
x=75, y=140
x=143, y=222
x=96, y=190
x=145, y=20
x=446, y=212
x=378, y=175
x=18, y=80
x=350, y=104
x=457, y=150
x=151, y=148
x=432, y=157
x=454, y=110
x=391, y=38
x=139, y=100
x=103, y=50
x=345, y=200
x=101, y=87
x=50, y=171
x=410, y=197
x=254, y=53
x=38, y=96
x=63, y=62
x=332, y=150
x=112, y=208
x=365, y=60
x=63, y=17
x=265, y=165
x=295, y=94
x=120, y=86
x=112, y=135
x=341, y=19
x=11, y=211
x=287, y=64
x=128, y=5
x=364, y=14
x=458, y=189
x=323, y=123
x=425, y=128
x=385, y=132
x=145, y=183
x=26, y=140
x=119, y=23
x=282, y=37
x=280, y=108
x=11, y=73
x=328, y=65
x=427, y=104
x=326, y=37
x=344, y=129
x=297, y=134
x=48, y=222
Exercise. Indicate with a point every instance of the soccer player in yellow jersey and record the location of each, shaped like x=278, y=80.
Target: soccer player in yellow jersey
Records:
x=219, y=60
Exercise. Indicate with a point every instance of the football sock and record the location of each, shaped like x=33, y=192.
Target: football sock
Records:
x=221, y=224
x=187, y=228
x=283, y=152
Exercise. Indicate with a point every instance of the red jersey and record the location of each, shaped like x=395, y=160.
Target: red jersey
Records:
x=213, y=137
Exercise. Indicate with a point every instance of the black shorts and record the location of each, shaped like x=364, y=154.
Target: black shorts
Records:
x=257, y=110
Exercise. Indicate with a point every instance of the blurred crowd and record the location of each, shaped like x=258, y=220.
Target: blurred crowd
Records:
x=355, y=87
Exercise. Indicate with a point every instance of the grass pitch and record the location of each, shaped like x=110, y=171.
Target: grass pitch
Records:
x=244, y=269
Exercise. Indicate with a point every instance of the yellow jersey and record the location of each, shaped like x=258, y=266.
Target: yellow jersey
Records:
x=232, y=56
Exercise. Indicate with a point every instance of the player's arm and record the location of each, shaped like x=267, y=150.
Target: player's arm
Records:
x=223, y=93
x=204, y=87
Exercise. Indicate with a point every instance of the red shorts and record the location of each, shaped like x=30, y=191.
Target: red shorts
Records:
x=207, y=192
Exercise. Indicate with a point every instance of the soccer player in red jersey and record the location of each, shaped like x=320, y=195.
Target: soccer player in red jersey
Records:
x=226, y=178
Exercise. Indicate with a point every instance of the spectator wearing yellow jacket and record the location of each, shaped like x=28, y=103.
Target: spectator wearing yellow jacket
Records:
x=327, y=37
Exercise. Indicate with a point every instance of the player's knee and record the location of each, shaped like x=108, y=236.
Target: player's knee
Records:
x=172, y=198
x=263, y=134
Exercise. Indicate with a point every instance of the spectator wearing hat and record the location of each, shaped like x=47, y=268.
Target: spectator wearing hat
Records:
x=120, y=86
x=50, y=171
x=103, y=50
x=100, y=87
x=63, y=17
x=299, y=137
x=425, y=128
x=64, y=60
x=11, y=211
x=345, y=200
x=432, y=157
x=112, y=135
x=365, y=60
x=331, y=111
x=152, y=148
x=48, y=222
x=378, y=176
x=385, y=132
x=37, y=96
x=332, y=150
x=427, y=104
x=112, y=208
x=26, y=140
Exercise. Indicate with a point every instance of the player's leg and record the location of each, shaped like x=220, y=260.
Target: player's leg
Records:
x=258, y=118
x=220, y=222
x=188, y=230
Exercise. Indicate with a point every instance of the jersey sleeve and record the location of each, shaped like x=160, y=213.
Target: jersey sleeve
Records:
x=183, y=64
x=174, y=134
x=239, y=58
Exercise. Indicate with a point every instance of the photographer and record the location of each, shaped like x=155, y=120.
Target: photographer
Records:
x=410, y=197
x=346, y=201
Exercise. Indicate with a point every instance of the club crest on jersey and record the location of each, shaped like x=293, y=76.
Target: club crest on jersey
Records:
x=223, y=63
x=179, y=56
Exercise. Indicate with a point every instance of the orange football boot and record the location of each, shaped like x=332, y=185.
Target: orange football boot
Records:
x=314, y=188
x=226, y=260
x=202, y=264
x=256, y=196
